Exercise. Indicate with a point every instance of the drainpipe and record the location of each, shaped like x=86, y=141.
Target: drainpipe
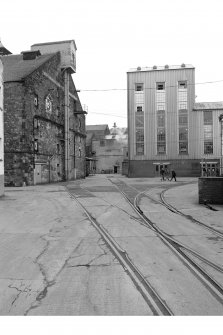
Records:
x=66, y=122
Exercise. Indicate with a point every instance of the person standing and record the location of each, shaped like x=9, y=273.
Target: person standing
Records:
x=162, y=174
x=173, y=175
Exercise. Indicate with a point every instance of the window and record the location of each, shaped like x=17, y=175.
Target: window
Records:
x=208, y=132
x=36, y=100
x=183, y=120
x=182, y=84
x=208, y=117
x=140, y=135
x=139, y=87
x=160, y=86
x=208, y=147
x=161, y=106
x=161, y=119
x=139, y=120
x=161, y=149
x=36, y=123
x=161, y=136
x=79, y=152
x=183, y=134
x=183, y=105
x=139, y=108
x=36, y=145
x=183, y=147
x=139, y=148
x=102, y=143
x=48, y=104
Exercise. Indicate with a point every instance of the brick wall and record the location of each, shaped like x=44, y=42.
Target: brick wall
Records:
x=210, y=190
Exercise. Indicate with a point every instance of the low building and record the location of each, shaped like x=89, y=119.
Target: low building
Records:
x=1, y=133
x=44, y=120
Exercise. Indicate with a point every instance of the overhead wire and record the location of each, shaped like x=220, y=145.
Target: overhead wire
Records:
x=147, y=88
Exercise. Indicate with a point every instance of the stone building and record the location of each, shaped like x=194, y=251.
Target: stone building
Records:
x=108, y=147
x=1, y=133
x=44, y=120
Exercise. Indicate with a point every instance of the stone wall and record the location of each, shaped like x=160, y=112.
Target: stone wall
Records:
x=210, y=190
x=35, y=135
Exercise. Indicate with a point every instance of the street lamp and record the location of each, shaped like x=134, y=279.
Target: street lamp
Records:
x=221, y=158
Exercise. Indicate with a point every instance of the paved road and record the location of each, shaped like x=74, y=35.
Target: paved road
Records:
x=53, y=261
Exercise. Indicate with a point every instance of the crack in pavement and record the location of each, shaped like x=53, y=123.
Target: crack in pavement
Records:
x=47, y=284
x=25, y=290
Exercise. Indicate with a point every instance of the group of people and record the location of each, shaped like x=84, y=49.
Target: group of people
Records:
x=165, y=174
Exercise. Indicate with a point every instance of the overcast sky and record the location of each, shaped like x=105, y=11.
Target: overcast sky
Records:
x=113, y=36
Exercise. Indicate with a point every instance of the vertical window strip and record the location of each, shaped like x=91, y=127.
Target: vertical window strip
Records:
x=139, y=119
x=182, y=118
x=208, y=132
x=160, y=119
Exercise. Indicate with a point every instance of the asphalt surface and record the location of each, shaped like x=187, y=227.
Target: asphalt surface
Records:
x=46, y=241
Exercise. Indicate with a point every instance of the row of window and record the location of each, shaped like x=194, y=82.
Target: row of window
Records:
x=160, y=118
x=160, y=86
x=36, y=148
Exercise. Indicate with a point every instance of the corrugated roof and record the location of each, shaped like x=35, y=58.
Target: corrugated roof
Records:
x=208, y=105
x=15, y=68
x=96, y=127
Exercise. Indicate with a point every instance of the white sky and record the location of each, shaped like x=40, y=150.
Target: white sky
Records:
x=113, y=36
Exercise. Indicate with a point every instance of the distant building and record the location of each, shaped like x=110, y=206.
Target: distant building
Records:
x=94, y=132
x=44, y=120
x=1, y=132
x=167, y=129
x=107, y=147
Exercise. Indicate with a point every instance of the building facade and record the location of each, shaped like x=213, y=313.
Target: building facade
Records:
x=166, y=128
x=1, y=132
x=108, y=147
x=44, y=120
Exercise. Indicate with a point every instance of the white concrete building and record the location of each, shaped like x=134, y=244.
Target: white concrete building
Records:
x=167, y=129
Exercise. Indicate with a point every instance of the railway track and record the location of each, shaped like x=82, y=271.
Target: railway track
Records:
x=154, y=301
x=152, y=298
x=180, y=249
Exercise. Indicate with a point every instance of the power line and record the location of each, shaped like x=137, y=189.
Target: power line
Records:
x=107, y=114
x=146, y=88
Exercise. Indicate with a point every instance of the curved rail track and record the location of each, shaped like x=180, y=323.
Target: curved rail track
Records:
x=178, y=247
x=154, y=301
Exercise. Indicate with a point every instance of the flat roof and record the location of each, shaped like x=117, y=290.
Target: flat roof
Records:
x=161, y=68
x=218, y=105
x=56, y=42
